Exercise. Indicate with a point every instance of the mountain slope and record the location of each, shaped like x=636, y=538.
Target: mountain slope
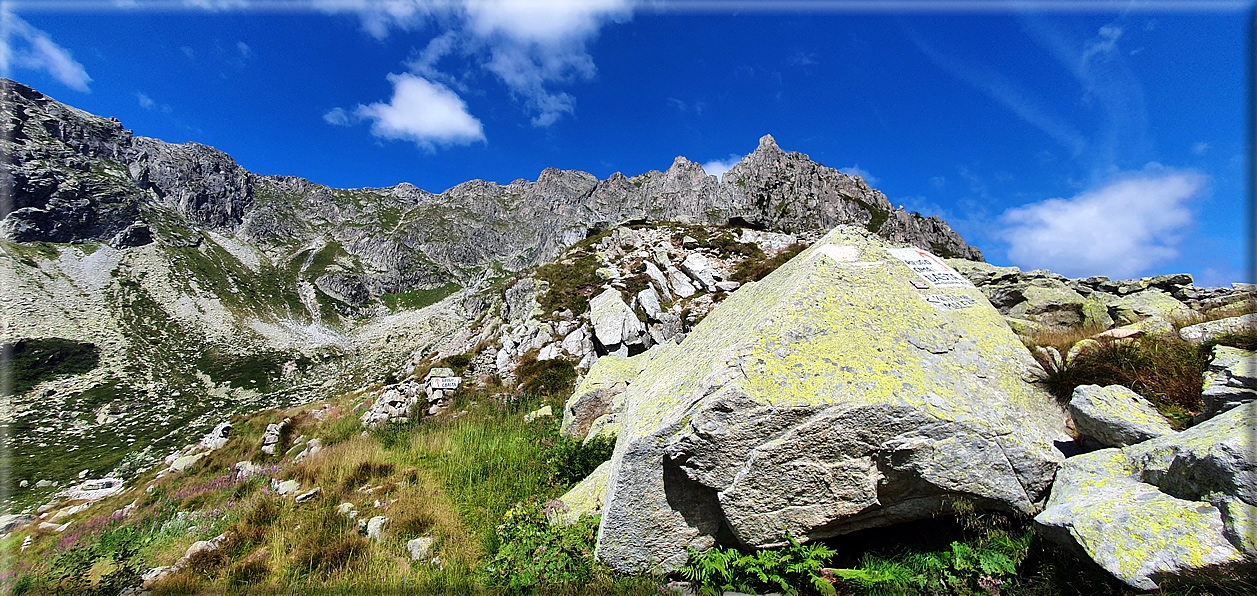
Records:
x=207, y=289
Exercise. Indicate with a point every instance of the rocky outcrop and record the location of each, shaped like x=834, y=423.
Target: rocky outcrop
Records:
x=1203, y=332
x=832, y=396
x=1230, y=381
x=1040, y=299
x=1179, y=505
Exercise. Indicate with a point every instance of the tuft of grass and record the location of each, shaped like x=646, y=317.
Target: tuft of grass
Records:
x=755, y=269
x=1166, y=370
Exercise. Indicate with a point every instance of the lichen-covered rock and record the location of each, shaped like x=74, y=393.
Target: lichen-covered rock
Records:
x=586, y=497
x=1175, y=505
x=1054, y=304
x=1203, y=332
x=831, y=396
x=596, y=403
x=1230, y=381
x=1140, y=305
x=1116, y=416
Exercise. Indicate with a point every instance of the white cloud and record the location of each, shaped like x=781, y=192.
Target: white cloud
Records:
x=856, y=170
x=214, y=5
x=1200, y=148
x=530, y=45
x=1120, y=230
x=24, y=46
x=244, y=49
x=188, y=51
x=424, y=112
x=718, y=167
x=146, y=102
x=336, y=117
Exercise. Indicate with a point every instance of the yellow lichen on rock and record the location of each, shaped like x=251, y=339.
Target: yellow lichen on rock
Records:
x=869, y=381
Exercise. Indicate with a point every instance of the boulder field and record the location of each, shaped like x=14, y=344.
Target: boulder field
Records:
x=857, y=386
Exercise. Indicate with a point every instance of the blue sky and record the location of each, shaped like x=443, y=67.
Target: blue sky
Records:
x=1103, y=142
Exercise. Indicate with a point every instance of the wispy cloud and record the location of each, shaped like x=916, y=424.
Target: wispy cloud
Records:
x=146, y=102
x=337, y=117
x=1107, y=84
x=530, y=46
x=424, y=112
x=1200, y=148
x=23, y=46
x=1007, y=94
x=1121, y=229
x=244, y=49
x=718, y=167
x=856, y=170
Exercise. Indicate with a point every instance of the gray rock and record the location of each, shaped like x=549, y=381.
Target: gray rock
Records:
x=658, y=280
x=616, y=327
x=1203, y=332
x=9, y=522
x=285, y=488
x=1116, y=416
x=308, y=495
x=680, y=284
x=215, y=439
x=1230, y=381
x=727, y=286
x=375, y=527
x=420, y=548
x=186, y=461
x=543, y=412
x=649, y=301
x=1176, y=505
x=699, y=269
x=803, y=406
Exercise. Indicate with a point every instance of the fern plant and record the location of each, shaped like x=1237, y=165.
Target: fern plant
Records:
x=788, y=569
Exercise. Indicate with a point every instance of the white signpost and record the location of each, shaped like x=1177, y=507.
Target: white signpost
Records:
x=931, y=268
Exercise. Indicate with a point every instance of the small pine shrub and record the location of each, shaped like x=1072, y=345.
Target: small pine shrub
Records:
x=571, y=459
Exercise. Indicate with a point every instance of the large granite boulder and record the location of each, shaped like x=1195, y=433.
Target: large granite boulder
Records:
x=1115, y=416
x=857, y=386
x=1177, y=505
x=617, y=329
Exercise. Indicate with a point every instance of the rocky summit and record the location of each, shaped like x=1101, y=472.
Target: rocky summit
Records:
x=224, y=381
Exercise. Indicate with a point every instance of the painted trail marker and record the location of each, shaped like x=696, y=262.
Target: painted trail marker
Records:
x=948, y=302
x=931, y=268
x=446, y=382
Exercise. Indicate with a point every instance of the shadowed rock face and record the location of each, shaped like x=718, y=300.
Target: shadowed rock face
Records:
x=76, y=177
x=832, y=396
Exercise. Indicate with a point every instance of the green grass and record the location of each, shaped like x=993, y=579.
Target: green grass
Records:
x=755, y=269
x=416, y=299
x=572, y=278
x=33, y=361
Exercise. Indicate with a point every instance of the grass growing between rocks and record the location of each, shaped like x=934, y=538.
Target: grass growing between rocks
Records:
x=1165, y=369
x=450, y=478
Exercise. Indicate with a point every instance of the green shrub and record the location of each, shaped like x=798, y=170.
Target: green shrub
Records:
x=571, y=283
x=556, y=376
x=532, y=553
x=788, y=569
x=571, y=459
